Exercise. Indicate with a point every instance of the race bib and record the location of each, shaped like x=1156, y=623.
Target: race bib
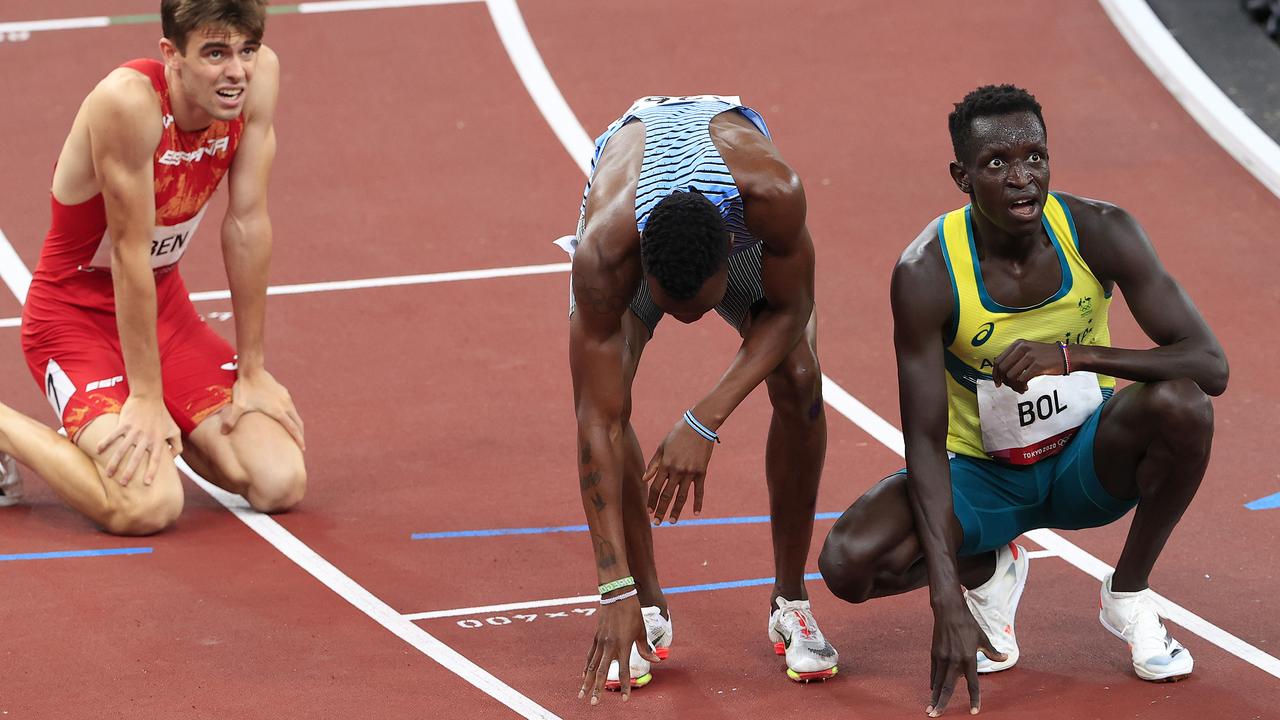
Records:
x=1024, y=428
x=168, y=244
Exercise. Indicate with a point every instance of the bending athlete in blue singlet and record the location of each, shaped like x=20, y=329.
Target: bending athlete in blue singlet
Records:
x=690, y=208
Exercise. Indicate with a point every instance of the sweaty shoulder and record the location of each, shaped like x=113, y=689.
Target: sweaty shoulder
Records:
x=124, y=103
x=920, y=276
x=609, y=231
x=1107, y=232
x=757, y=166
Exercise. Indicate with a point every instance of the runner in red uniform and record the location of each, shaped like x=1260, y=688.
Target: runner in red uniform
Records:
x=109, y=332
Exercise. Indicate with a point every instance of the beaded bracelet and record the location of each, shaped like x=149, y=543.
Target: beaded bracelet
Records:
x=616, y=598
x=1066, y=358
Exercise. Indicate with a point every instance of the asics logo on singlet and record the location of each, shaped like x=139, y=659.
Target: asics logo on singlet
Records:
x=984, y=334
x=177, y=157
x=167, y=120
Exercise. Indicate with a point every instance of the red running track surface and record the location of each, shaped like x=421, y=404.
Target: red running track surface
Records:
x=409, y=145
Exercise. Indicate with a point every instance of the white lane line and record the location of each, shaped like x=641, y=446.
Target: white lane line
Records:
x=553, y=602
x=13, y=271
x=366, y=602
x=335, y=579
x=1200, y=97
x=537, y=80
x=1052, y=541
x=886, y=433
x=59, y=24
x=396, y=280
x=304, y=288
x=308, y=8
x=1175, y=612
x=862, y=416
x=579, y=600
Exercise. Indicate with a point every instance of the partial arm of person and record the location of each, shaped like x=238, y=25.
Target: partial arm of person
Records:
x=596, y=348
x=776, y=215
x=124, y=129
x=1118, y=251
x=921, y=302
x=246, y=252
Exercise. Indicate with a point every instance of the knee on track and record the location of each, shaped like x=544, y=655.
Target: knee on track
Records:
x=145, y=516
x=278, y=489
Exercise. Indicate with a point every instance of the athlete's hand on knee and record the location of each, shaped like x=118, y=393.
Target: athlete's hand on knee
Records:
x=618, y=626
x=957, y=638
x=260, y=392
x=679, y=463
x=144, y=430
x=1024, y=360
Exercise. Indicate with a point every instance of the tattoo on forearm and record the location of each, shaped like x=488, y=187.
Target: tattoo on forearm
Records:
x=598, y=502
x=590, y=480
x=585, y=458
x=606, y=557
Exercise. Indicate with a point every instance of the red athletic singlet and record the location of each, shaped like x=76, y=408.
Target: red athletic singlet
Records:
x=69, y=334
x=75, y=263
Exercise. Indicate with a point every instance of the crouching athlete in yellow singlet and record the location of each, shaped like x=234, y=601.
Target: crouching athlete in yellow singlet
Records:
x=1006, y=376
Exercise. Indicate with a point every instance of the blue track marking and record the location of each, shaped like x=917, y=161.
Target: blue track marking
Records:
x=740, y=520
x=1269, y=502
x=729, y=584
x=76, y=554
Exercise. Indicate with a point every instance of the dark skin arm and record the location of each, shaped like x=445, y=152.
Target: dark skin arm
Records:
x=775, y=210
x=921, y=300
x=1120, y=254
x=604, y=280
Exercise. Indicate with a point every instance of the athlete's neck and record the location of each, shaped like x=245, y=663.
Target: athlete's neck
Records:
x=994, y=243
x=186, y=115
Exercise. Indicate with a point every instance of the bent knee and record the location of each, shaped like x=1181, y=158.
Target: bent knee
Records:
x=796, y=385
x=1180, y=406
x=145, y=516
x=847, y=567
x=278, y=490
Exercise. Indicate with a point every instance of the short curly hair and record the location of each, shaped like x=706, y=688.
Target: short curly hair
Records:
x=987, y=101
x=684, y=243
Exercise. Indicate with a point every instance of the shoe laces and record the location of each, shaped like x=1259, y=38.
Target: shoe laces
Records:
x=1143, y=627
x=655, y=625
x=797, y=620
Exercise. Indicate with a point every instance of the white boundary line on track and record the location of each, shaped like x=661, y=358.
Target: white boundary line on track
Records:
x=13, y=271
x=351, y=591
x=537, y=79
x=308, y=8
x=579, y=600
x=16, y=276
x=58, y=24
x=1203, y=100
x=396, y=280
x=523, y=52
